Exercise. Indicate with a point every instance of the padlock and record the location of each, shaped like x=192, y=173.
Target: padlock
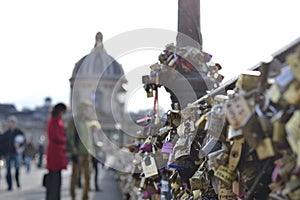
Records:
x=265, y=149
x=284, y=79
x=232, y=133
x=220, y=98
x=238, y=112
x=237, y=187
x=225, y=193
x=293, y=126
x=248, y=80
x=167, y=148
x=201, y=122
x=183, y=145
x=292, y=94
x=216, y=121
x=174, y=118
x=189, y=127
x=279, y=133
x=252, y=132
x=235, y=153
x=294, y=62
x=149, y=166
x=225, y=175
x=274, y=93
x=287, y=168
x=291, y=186
x=164, y=186
x=212, y=163
x=264, y=121
x=207, y=147
x=197, y=181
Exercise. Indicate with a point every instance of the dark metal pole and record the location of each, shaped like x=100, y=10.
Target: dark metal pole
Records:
x=189, y=31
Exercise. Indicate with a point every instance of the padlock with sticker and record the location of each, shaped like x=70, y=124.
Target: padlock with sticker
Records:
x=182, y=147
x=149, y=166
x=216, y=121
x=238, y=112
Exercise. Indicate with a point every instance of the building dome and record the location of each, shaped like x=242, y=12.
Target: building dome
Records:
x=98, y=64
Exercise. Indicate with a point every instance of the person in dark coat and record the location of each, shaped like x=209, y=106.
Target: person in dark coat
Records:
x=29, y=153
x=14, y=141
x=56, y=152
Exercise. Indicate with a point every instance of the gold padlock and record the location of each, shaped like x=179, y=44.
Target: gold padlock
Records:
x=294, y=62
x=293, y=126
x=279, y=133
x=248, y=80
x=237, y=187
x=274, y=93
x=235, y=153
x=292, y=94
x=225, y=175
x=265, y=149
x=225, y=193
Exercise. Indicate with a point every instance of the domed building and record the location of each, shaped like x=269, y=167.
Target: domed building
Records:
x=98, y=78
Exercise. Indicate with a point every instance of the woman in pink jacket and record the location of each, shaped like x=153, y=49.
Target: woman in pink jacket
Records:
x=56, y=151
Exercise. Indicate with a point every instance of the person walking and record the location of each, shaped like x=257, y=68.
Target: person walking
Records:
x=29, y=153
x=56, y=151
x=14, y=141
x=81, y=146
x=41, y=151
x=95, y=126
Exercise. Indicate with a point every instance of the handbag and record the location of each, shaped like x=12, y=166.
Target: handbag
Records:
x=44, y=182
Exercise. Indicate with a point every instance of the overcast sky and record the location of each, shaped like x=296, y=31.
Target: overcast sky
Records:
x=40, y=41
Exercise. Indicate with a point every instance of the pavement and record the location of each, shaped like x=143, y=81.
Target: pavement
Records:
x=31, y=185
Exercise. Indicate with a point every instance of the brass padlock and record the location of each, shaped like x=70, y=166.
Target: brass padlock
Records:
x=294, y=62
x=248, y=80
x=274, y=93
x=225, y=175
x=197, y=180
x=237, y=187
x=291, y=186
x=225, y=193
x=293, y=126
x=279, y=133
x=292, y=94
x=235, y=153
x=265, y=149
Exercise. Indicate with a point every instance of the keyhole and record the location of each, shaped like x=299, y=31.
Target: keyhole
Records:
x=235, y=154
x=147, y=161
